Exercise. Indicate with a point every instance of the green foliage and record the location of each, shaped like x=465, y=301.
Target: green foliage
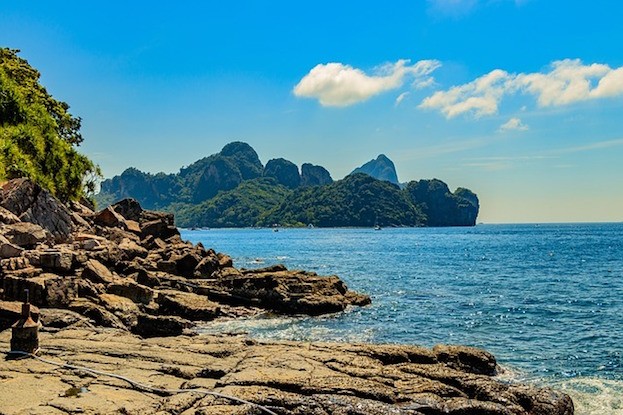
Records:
x=223, y=190
x=38, y=134
x=357, y=200
x=194, y=184
x=244, y=206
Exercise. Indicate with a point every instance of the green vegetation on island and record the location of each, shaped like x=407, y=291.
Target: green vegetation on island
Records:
x=38, y=135
x=233, y=189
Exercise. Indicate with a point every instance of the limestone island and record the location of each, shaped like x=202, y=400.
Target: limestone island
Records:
x=116, y=294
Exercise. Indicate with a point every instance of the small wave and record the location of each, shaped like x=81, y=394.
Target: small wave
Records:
x=594, y=396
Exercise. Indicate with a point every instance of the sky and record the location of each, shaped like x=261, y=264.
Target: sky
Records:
x=520, y=101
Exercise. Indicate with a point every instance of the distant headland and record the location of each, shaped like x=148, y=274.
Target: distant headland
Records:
x=234, y=189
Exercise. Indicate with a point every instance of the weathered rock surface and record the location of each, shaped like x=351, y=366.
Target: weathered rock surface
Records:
x=126, y=270
x=127, y=267
x=30, y=203
x=288, y=378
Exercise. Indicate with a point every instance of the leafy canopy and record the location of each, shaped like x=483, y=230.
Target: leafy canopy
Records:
x=38, y=135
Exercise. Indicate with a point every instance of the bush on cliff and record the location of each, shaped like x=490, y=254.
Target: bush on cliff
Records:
x=38, y=135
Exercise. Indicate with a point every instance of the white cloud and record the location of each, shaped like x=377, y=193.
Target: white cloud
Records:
x=568, y=81
x=338, y=85
x=480, y=96
x=513, y=124
x=401, y=98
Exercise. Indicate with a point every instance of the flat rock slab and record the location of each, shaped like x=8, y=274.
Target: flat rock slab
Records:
x=290, y=378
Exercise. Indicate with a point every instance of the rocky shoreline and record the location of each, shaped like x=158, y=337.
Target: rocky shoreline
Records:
x=119, y=290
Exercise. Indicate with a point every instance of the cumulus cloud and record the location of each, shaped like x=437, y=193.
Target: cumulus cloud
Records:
x=513, y=124
x=480, y=96
x=567, y=81
x=338, y=85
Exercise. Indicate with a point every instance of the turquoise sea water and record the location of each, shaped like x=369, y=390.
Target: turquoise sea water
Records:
x=547, y=300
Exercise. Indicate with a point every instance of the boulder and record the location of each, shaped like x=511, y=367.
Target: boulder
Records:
x=295, y=292
x=158, y=228
x=7, y=217
x=207, y=266
x=224, y=261
x=133, y=226
x=97, y=272
x=132, y=250
x=25, y=234
x=98, y=314
x=467, y=359
x=122, y=307
x=131, y=289
x=18, y=266
x=31, y=203
x=47, y=290
x=88, y=241
x=9, y=250
x=185, y=263
x=129, y=208
x=160, y=326
x=109, y=218
x=187, y=305
x=60, y=318
x=53, y=259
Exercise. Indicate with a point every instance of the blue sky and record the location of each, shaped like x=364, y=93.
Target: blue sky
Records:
x=520, y=101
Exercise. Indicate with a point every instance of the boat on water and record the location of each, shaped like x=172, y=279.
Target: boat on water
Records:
x=377, y=227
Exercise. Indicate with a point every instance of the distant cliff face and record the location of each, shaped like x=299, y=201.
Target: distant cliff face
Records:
x=245, y=158
x=284, y=172
x=382, y=168
x=314, y=175
x=233, y=189
x=200, y=181
x=442, y=207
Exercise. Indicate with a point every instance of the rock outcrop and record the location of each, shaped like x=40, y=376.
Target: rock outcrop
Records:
x=312, y=175
x=284, y=172
x=287, y=378
x=127, y=267
x=113, y=292
x=442, y=207
x=381, y=168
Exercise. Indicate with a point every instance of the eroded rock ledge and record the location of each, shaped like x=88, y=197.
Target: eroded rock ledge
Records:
x=290, y=378
x=128, y=268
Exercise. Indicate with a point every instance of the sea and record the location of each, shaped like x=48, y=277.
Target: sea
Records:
x=545, y=299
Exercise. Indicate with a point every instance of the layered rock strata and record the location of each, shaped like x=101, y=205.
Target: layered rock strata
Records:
x=288, y=378
x=128, y=268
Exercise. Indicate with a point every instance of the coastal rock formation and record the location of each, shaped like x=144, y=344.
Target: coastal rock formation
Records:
x=312, y=175
x=127, y=267
x=287, y=378
x=124, y=272
x=284, y=172
x=381, y=168
x=233, y=189
x=442, y=207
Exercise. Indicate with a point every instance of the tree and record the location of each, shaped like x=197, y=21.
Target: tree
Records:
x=38, y=135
